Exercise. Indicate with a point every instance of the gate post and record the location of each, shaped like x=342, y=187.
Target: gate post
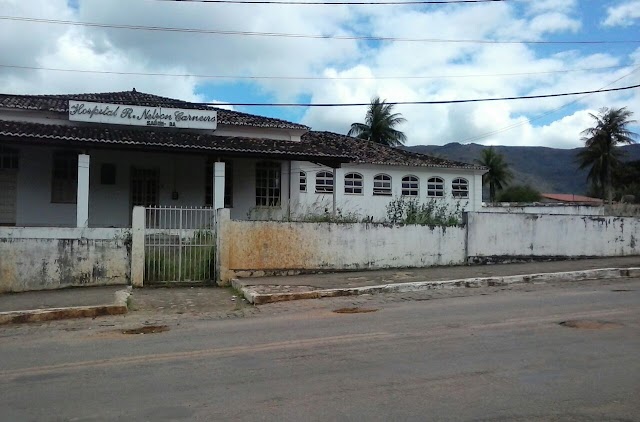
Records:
x=137, y=246
x=222, y=247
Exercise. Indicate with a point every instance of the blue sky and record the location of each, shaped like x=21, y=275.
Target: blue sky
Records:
x=345, y=71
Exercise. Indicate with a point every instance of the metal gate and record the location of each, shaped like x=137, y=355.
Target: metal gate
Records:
x=179, y=244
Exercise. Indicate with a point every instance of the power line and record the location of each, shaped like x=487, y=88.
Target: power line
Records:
x=205, y=76
x=348, y=3
x=473, y=100
x=302, y=36
x=540, y=116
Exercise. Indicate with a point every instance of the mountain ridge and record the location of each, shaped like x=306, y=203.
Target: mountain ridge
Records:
x=549, y=170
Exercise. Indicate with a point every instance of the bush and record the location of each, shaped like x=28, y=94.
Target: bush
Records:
x=403, y=210
x=519, y=193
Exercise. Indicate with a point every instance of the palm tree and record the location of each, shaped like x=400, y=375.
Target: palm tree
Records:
x=600, y=141
x=498, y=175
x=379, y=125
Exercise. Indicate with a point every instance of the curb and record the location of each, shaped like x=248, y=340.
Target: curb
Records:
x=119, y=307
x=261, y=298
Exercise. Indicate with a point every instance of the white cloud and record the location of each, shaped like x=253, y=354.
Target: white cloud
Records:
x=430, y=65
x=623, y=14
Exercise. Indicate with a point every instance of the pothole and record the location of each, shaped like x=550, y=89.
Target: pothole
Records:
x=354, y=310
x=147, y=329
x=586, y=324
x=623, y=290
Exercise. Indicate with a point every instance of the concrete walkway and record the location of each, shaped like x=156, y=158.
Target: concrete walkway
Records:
x=296, y=287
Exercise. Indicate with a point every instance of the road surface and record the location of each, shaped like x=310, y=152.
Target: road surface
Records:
x=475, y=355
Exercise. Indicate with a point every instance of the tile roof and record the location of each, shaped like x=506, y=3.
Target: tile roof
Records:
x=176, y=140
x=569, y=197
x=60, y=103
x=314, y=144
x=367, y=152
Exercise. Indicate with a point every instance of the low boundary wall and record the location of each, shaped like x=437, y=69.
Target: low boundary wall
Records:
x=497, y=237
x=51, y=258
x=257, y=248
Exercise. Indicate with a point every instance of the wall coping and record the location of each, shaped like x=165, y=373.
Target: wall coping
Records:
x=71, y=233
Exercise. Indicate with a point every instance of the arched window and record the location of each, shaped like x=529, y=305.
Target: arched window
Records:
x=324, y=182
x=435, y=187
x=382, y=185
x=303, y=181
x=410, y=185
x=353, y=183
x=460, y=188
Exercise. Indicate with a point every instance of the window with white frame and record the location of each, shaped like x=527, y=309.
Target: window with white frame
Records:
x=382, y=184
x=268, y=175
x=460, y=188
x=353, y=183
x=64, y=178
x=324, y=182
x=303, y=181
x=435, y=187
x=410, y=185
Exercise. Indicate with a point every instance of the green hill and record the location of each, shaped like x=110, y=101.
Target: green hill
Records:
x=550, y=170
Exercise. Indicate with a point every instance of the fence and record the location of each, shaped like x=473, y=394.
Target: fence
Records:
x=179, y=244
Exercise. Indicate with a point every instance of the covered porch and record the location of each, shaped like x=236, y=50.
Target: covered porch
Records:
x=96, y=183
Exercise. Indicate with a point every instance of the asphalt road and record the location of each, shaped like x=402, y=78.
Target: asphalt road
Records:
x=494, y=356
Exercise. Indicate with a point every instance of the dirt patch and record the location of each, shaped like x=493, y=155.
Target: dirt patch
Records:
x=586, y=324
x=354, y=310
x=147, y=329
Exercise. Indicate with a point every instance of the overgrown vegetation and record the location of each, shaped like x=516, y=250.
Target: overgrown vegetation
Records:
x=164, y=262
x=519, y=193
x=328, y=217
x=403, y=210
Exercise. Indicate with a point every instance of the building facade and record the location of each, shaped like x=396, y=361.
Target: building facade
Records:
x=88, y=159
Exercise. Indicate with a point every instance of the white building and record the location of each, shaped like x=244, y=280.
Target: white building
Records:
x=87, y=159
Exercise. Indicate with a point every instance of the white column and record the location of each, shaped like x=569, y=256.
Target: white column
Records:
x=82, y=203
x=335, y=190
x=218, y=185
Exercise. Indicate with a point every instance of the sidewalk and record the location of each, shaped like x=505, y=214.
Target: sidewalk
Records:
x=48, y=305
x=270, y=289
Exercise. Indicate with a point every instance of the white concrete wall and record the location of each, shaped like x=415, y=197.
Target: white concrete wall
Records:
x=498, y=236
x=250, y=248
x=368, y=204
x=53, y=258
x=508, y=208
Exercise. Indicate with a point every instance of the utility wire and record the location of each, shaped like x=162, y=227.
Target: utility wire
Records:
x=304, y=36
x=548, y=113
x=332, y=3
x=473, y=100
x=202, y=76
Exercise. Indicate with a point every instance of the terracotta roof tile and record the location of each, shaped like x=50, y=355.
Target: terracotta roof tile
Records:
x=169, y=139
x=569, y=197
x=314, y=144
x=60, y=103
x=372, y=153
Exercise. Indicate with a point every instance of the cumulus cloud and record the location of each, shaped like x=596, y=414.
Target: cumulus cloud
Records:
x=623, y=14
x=349, y=70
